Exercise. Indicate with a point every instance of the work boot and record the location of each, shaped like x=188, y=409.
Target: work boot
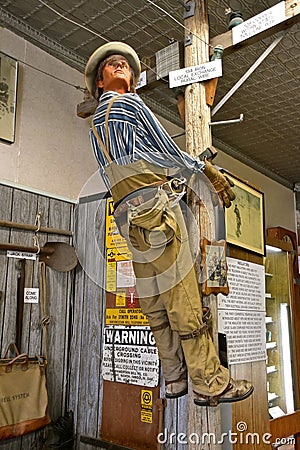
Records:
x=235, y=391
x=177, y=388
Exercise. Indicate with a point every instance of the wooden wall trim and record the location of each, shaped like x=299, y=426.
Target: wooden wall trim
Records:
x=285, y=426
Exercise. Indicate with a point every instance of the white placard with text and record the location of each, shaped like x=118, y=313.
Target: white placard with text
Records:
x=194, y=74
x=241, y=314
x=259, y=23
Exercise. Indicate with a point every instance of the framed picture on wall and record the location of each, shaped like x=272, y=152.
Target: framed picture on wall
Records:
x=214, y=267
x=8, y=97
x=245, y=218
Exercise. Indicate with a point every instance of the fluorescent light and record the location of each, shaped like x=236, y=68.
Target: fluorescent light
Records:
x=270, y=248
x=286, y=357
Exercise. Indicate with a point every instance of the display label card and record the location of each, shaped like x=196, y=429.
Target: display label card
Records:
x=259, y=23
x=31, y=295
x=20, y=255
x=194, y=74
x=245, y=335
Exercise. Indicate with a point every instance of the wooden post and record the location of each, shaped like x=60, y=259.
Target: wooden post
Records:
x=202, y=421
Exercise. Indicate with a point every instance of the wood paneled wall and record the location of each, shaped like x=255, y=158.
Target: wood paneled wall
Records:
x=76, y=302
x=20, y=206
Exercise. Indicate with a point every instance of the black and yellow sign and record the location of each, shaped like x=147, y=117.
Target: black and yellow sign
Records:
x=113, y=237
x=116, y=251
x=146, y=399
x=125, y=316
x=146, y=403
x=146, y=416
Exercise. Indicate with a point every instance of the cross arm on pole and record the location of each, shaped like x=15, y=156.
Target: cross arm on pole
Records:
x=292, y=16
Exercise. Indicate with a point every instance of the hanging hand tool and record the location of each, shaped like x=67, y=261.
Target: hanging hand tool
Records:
x=59, y=256
x=20, y=303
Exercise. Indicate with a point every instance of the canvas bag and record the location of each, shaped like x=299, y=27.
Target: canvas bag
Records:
x=23, y=394
x=23, y=391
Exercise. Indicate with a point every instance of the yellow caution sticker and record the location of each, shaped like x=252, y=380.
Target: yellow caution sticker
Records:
x=146, y=416
x=111, y=276
x=146, y=403
x=113, y=237
x=121, y=298
x=146, y=399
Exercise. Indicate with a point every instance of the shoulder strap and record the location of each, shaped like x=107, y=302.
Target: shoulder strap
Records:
x=104, y=148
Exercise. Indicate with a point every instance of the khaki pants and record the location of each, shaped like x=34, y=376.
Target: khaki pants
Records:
x=169, y=296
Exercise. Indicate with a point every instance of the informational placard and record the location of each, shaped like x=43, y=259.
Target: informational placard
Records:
x=241, y=314
x=130, y=356
x=125, y=274
x=259, y=23
x=31, y=295
x=194, y=74
x=245, y=335
x=246, y=286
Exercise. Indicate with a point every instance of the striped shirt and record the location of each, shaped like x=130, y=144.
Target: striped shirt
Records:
x=134, y=134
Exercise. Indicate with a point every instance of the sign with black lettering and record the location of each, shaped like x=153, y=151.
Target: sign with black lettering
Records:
x=130, y=356
x=257, y=24
x=20, y=255
x=195, y=74
x=31, y=295
x=241, y=314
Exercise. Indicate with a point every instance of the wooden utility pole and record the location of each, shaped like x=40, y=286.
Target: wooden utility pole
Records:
x=198, y=137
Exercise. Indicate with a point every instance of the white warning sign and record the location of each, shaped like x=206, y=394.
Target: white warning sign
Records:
x=130, y=356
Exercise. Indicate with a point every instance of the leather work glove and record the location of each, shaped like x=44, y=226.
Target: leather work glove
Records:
x=221, y=183
x=208, y=154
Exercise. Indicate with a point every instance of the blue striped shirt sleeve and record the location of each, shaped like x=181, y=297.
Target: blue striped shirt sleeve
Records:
x=153, y=138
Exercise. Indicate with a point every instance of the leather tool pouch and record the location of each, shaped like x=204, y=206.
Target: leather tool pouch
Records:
x=155, y=220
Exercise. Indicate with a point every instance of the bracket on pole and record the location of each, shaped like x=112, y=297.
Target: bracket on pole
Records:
x=189, y=6
x=225, y=122
x=188, y=40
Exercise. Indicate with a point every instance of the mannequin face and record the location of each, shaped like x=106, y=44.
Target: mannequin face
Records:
x=116, y=75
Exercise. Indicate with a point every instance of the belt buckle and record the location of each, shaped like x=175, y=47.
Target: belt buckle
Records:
x=195, y=334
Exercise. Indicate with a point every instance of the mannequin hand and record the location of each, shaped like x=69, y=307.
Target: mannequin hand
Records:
x=221, y=184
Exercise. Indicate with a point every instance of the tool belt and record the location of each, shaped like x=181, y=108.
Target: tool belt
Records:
x=147, y=192
x=135, y=199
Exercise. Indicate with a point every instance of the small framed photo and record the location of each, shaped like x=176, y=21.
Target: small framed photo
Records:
x=8, y=97
x=214, y=267
x=245, y=218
